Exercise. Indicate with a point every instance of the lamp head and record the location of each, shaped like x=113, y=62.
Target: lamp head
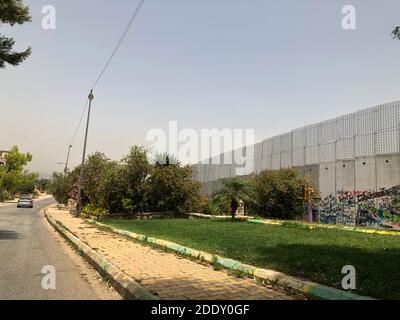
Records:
x=91, y=96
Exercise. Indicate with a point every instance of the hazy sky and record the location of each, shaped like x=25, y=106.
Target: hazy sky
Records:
x=268, y=65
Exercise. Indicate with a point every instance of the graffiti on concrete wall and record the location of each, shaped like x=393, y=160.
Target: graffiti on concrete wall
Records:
x=363, y=208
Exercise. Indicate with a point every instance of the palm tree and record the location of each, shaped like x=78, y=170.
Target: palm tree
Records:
x=234, y=191
x=165, y=159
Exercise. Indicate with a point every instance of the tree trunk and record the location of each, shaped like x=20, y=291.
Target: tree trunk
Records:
x=234, y=207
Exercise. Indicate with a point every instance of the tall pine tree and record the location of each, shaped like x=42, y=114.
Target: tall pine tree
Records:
x=12, y=12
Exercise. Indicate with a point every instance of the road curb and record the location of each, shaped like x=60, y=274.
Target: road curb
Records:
x=125, y=285
x=217, y=217
x=280, y=279
x=321, y=226
x=305, y=225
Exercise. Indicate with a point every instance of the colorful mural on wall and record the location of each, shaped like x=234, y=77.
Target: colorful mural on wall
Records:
x=374, y=209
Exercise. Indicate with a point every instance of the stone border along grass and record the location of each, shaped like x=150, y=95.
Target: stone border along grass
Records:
x=305, y=225
x=261, y=275
x=122, y=283
x=322, y=226
x=208, y=216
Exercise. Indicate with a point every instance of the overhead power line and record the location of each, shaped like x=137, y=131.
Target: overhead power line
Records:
x=79, y=123
x=128, y=26
x=108, y=62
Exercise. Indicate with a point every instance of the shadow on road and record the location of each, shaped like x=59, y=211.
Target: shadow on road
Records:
x=9, y=235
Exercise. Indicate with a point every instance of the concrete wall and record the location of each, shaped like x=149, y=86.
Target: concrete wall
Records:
x=365, y=174
x=311, y=172
x=327, y=172
x=329, y=178
x=388, y=171
x=358, y=151
x=344, y=175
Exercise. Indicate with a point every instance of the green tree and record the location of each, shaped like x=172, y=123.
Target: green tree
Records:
x=61, y=185
x=112, y=188
x=171, y=188
x=131, y=185
x=12, y=174
x=10, y=180
x=135, y=171
x=280, y=194
x=12, y=12
x=234, y=191
x=43, y=184
x=16, y=160
x=95, y=168
x=28, y=182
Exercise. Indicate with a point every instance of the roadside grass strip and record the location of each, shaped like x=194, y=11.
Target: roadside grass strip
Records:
x=263, y=276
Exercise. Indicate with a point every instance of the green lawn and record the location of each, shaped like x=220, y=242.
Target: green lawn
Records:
x=316, y=255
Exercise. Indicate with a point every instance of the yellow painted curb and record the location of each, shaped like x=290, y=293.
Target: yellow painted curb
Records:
x=322, y=226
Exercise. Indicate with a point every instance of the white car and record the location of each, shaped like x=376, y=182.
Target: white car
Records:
x=25, y=203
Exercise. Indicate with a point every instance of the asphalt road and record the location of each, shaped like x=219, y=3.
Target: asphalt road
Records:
x=27, y=244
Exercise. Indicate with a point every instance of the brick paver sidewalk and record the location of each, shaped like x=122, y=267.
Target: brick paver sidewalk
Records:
x=166, y=274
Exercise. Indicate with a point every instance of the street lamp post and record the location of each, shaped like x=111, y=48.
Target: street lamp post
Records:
x=66, y=163
x=78, y=198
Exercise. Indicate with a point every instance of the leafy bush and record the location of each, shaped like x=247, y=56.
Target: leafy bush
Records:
x=61, y=185
x=95, y=168
x=130, y=186
x=5, y=195
x=135, y=171
x=27, y=183
x=215, y=209
x=112, y=188
x=279, y=194
x=43, y=184
x=171, y=188
x=90, y=211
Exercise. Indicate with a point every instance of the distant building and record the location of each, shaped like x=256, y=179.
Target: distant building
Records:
x=3, y=157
